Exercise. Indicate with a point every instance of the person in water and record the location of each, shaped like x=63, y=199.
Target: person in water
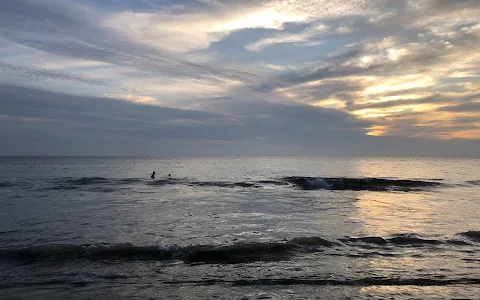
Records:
x=153, y=175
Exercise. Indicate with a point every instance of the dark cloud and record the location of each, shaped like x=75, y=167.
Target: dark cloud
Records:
x=330, y=70
x=39, y=122
x=345, y=65
x=39, y=73
x=276, y=123
x=465, y=107
x=328, y=88
x=447, y=5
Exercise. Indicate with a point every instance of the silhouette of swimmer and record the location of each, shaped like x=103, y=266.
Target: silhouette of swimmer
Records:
x=153, y=175
x=169, y=175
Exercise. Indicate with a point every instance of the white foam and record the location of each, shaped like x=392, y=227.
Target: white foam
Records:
x=164, y=246
x=318, y=183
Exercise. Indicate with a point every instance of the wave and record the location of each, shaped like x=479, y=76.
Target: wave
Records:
x=474, y=182
x=371, y=281
x=223, y=184
x=162, y=182
x=87, y=180
x=256, y=282
x=6, y=184
x=69, y=251
x=301, y=182
x=76, y=183
x=359, y=184
x=295, y=281
x=238, y=253
x=231, y=254
x=404, y=240
x=472, y=235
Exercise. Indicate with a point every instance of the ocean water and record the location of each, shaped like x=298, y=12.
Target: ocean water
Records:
x=239, y=228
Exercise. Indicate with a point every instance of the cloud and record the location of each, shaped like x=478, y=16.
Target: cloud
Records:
x=473, y=107
x=385, y=67
x=195, y=31
x=383, y=79
x=39, y=122
x=76, y=31
x=36, y=72
x=240, y=121
x=135, y=99
x=302, y=39
x=70, y=63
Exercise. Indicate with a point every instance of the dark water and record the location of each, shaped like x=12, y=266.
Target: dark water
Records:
x=239, y=228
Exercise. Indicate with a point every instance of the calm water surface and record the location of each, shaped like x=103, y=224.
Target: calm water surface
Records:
x=239, y=228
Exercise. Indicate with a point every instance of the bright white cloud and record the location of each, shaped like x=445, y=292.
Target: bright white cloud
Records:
x=183, y=33
x=195, y=31
x=135, y=98
x=70, y=63
x=301, y=39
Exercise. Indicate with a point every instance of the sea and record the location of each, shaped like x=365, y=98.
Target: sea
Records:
x=239, y=228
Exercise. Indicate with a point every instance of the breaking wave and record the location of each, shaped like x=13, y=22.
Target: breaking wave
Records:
x=301, y=182
x=472, y=235
x=234, y=253
x=359, y=184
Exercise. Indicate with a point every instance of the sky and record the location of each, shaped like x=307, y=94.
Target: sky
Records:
x=250, y=77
